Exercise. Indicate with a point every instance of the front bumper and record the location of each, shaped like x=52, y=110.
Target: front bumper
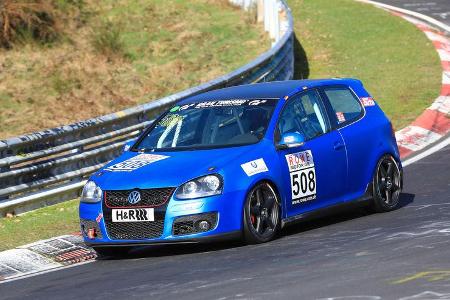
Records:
x=227, y=207
x=229, y=236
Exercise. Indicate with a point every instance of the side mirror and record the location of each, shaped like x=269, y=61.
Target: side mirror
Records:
x=291, y=140
x=128, y=145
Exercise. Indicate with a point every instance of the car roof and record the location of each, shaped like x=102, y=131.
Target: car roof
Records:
x=266, y=90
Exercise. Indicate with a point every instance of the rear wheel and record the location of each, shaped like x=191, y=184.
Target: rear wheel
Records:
x=261, y=214
x=112, y=252
x=387, y=184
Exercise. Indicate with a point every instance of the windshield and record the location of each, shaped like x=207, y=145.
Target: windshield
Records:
x=210, y=124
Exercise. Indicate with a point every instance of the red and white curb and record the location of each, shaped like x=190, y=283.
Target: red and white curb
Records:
x=44, y=255
x=434, y=123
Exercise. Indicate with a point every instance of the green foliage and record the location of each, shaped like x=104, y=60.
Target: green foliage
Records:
x=108, y=40
x=62, y=83
x=67, y=5
x=20, y=19
x=41, y=21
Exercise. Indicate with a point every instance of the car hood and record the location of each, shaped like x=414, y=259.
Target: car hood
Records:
x=168, y=169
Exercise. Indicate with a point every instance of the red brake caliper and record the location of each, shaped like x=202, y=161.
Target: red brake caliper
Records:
x=252, y=218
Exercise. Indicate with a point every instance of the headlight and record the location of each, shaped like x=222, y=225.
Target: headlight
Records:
x=91, y=193
x=205, y=186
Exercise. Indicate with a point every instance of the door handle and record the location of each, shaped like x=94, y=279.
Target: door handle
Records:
x=338, y=145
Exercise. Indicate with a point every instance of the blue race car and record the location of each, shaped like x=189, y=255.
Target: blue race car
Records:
x=243, y=162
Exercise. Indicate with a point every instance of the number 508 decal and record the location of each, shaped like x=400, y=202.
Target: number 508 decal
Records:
x=303, y=184
x=303, y=176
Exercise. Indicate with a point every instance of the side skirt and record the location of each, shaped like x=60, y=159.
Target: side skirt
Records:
x=364, y=200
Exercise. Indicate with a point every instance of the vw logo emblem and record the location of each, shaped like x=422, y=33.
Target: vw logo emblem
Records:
x=134, y=197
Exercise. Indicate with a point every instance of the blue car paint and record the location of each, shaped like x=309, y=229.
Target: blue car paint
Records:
x=330, y=173
x=342, y=175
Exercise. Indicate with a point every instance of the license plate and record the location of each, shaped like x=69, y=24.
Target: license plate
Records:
x=133, y=215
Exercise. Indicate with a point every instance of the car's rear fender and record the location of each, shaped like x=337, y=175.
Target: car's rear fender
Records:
x=366, y=142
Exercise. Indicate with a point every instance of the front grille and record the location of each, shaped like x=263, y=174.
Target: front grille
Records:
x=156, y=198
x=149, y=198
x=136, y=230
x=190, y=224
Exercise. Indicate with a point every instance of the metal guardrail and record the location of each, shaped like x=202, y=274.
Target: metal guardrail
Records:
x=51, y=166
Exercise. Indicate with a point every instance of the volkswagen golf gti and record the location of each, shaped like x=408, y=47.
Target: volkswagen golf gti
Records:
x=243, y=162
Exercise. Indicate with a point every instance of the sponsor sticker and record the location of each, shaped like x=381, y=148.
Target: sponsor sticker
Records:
x=303, y=176
x=300, y=160
x=99, y=218
x=254, y=167
x=170, y=120
x=340, y=116
x=133, y=215
x=367, y=101
x=175, y=109
x=186, y=106
x=136, y=162
x=223, y=103
x=257, y=102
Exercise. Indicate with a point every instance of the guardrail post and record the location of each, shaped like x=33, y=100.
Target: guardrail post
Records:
x=246, y=5
x=260, y=11
x=4, y=169
x=76, y=151
x=273, y=20
x=266, y=15
x=276, y=26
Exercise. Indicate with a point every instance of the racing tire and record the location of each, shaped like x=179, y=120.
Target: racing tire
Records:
x=261, y=214
x=387, y=184
x=111, y=252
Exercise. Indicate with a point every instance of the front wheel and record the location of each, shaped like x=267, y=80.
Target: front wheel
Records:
x=261, y=214
x=387, y=184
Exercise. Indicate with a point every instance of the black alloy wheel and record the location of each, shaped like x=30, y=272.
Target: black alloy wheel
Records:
x=387, y=184
x=261, y=214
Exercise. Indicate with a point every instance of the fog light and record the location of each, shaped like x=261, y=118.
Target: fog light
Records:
x=204, y=225
x=91, y=233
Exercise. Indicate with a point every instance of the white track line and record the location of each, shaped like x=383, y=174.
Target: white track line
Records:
x=427, y=152
x=411, y=13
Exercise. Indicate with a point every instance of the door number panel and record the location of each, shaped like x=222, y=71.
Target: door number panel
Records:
x=303, y=176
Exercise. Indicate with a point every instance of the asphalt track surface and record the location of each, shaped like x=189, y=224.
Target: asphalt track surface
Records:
x=401, y=254
x=437, y=9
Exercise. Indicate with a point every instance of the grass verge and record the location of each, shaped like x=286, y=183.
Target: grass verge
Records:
x=397, y=63
x=114, y=54
x=39, y=224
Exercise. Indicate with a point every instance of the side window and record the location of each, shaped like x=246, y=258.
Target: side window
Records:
x=344, y=103
x=304, y=114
